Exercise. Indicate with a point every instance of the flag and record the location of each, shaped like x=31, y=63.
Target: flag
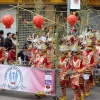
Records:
x=75, y=4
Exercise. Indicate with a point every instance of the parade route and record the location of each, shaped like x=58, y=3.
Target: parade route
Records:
x=11, y=95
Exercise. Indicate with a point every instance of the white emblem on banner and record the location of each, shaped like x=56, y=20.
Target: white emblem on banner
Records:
x=75, y=4
x=48, y=82
x=13, y=78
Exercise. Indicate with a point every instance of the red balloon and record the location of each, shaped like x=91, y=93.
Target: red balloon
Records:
x=38, y=20
x=7, y=20
x=39, y=26
x=72, y=19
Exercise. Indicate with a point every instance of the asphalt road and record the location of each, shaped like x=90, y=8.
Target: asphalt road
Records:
x=11, y=95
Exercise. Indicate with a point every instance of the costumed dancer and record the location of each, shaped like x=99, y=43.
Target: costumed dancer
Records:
x=2, y=49
x=97, y=79
x=41, y=62
x=50, y=52
x=89, y=61
x=34, y=51
x=2, y=54
x=63, y=65
x=76, y=78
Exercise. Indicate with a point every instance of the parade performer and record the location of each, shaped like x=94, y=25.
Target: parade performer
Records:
x=89, y=61
x=63, y=65
x=35, y=46
x=34, y=51
x=11, y=59
x=98, y=57
x=41, y=61
x=2, y=54
x=50, y=52
x=76, y=78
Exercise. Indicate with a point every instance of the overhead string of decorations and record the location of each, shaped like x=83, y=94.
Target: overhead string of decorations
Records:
x=37, y=20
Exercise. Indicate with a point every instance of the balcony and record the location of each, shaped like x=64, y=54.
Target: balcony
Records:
x=92, y=2
x=95, y=2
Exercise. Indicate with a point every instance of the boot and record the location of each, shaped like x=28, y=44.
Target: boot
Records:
x=87, y=94
x=97, y=82
x=62, y=98
x=39, y=94
x=82, y=96
x=3, y=89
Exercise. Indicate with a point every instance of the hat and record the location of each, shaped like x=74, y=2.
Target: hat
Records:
x=35, y=40
x=49, y=40
x=89, y=45
x=39, y=47
x=64, y=48
x=75, y=48
x=42, y=47
x=43, y=38
x=91, y=35
x=81, y=36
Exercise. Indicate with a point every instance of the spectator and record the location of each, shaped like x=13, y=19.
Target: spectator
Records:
x=43, y=38
x=8, y=42
x=1, y=38
x=22, y=57
x=14, y=41
x=29, y=40
x=11, y=59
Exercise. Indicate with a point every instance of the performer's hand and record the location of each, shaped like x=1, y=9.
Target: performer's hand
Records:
x=80, y=71
x=92, y=65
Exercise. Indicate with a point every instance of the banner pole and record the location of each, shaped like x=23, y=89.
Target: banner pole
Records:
x=68, y=12
x=17, y=20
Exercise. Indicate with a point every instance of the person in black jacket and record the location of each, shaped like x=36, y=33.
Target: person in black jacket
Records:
x=22, y=57
x=1, y=38
x=28, y=40
x=8, y=42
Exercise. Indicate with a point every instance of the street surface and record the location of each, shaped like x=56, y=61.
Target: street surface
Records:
x=11, y=95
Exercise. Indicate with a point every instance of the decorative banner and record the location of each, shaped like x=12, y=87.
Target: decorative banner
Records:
x=75, y=4
x=25, y=79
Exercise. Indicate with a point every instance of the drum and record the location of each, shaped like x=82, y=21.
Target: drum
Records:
x=81, y=80
x=66, y=78
x=88, y=71
x=86, y=76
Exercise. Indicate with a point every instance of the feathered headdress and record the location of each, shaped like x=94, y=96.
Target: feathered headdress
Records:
x=75, y=48
x=64, y=48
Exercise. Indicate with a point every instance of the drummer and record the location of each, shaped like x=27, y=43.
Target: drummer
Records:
x=89, y=61
x=77, y=67
x=98, y=57
x=64, y=63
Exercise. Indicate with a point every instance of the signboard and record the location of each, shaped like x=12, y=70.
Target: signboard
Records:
x=74, y=4
x=17, y=1
x=25, y=79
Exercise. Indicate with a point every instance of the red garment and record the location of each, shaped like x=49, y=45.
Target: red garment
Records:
x=11, y=56
x=45, y=61
x=62, y=59
x=88, y=52
x=92, y=58
x=2, y=57
x=34, y=50
x=75, y=59
x=1, y=53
